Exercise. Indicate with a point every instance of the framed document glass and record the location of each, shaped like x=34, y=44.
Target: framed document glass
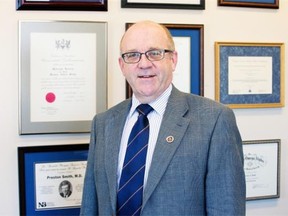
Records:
x=249, y=75
x=62, y=76
x=51, y=179
x=262, y=169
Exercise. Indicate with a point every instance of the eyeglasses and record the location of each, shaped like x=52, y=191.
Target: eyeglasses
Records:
x=151, y=55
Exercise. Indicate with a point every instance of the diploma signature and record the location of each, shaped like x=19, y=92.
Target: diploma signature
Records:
x=254, y=161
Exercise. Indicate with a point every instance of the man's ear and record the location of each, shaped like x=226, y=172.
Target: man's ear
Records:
x=174, y=59
x=121, y=64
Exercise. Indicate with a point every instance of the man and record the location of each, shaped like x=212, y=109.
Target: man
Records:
x=194, y=161
x=65, y=189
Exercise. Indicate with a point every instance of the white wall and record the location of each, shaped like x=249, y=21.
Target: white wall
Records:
x=220, y=24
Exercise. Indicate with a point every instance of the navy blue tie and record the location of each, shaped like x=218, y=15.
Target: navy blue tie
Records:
x=130, y=192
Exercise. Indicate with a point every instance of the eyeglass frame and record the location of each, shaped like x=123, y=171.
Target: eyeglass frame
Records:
x=163, y=51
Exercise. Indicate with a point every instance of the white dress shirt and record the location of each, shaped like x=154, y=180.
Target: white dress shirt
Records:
x=155, y=119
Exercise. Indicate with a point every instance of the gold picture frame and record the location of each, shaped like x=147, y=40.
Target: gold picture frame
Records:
x=249, y=75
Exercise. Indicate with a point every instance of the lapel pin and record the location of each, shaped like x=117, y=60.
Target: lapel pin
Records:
x=169, y=139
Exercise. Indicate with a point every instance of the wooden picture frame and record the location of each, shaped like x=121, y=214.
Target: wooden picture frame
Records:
x=63, y=5
x=249, y=75
x=270, y=4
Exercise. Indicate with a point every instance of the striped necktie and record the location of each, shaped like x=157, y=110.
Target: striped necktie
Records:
x=129, y=195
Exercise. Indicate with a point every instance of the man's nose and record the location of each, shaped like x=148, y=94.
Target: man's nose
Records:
x=144, y=61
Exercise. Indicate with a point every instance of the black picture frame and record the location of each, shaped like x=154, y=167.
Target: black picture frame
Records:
x=262, y=160
x=160, y=5
x=272, y=4
x=196, y=34
x=64, y=5
x=71, y=161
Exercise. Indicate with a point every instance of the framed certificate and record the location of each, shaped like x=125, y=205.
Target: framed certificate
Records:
x=164, y=4
x=51, y=179
x=69, y=5
x=189, y=74
x=62, y=70
x=262, y=168
x=274, y=4
x=249, y=75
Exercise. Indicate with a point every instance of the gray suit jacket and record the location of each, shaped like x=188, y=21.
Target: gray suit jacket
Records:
x=199, y=173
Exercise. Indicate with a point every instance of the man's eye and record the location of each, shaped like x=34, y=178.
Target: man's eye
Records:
x=154, y=53
x=132, y=55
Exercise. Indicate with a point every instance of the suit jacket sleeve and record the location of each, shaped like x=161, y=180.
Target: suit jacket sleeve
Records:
x=225, y=180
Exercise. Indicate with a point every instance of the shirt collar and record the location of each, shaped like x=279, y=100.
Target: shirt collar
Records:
x=159, y=105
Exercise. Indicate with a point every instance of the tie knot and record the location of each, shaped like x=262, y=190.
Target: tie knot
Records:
x=144, y=109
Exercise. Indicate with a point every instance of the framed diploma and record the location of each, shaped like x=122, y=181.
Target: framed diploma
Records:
x=249, y=75
x=164, y=4
x=262, y=169
x=189, y=74
x=51, y=179
x=274, y=4
x=69, y=5
x=62, y=81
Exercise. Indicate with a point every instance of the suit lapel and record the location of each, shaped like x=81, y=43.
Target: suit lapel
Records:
x=174, y=126
x=113, y=134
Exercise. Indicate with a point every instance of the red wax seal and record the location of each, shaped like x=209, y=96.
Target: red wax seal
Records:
x=50, y=97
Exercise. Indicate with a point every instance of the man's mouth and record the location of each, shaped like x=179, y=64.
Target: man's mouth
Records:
x=146, y=76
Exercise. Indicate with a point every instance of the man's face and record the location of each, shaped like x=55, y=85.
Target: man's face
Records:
x=147, y=79
x=65, y=189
